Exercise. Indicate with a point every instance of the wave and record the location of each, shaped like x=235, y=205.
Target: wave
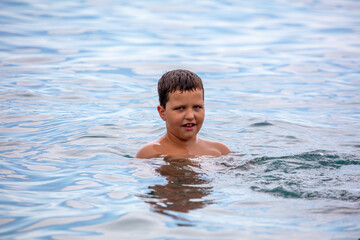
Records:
x=310, y=175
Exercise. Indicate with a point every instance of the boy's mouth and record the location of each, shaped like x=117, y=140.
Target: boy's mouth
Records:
x=189, y=126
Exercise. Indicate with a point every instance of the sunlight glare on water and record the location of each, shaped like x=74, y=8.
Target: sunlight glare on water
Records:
x=78, y=99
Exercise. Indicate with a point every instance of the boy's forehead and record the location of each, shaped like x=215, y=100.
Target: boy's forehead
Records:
x=178, y=94
x=178, y=90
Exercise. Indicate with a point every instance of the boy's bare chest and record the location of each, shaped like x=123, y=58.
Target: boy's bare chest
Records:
x=167, y=148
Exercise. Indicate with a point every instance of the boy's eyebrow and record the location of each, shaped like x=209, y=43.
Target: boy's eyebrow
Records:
x=183, y=105
x=179, y=105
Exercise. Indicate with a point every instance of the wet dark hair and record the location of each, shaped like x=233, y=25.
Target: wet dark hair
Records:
x=182, y=80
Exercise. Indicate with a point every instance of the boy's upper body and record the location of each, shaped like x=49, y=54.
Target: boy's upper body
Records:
x=181, y=96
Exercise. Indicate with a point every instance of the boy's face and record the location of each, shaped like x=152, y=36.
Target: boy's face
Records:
x=184, y=114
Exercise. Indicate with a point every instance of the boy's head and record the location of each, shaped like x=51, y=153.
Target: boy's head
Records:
x=177, y=80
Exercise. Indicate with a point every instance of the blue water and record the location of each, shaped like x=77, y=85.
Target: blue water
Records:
x=78, y=99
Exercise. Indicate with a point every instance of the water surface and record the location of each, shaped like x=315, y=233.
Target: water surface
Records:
x=78, y=99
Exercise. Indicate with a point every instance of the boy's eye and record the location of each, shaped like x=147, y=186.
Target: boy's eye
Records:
x=179, y=108
x=197, y=107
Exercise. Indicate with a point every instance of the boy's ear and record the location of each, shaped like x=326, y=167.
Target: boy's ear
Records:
x=161, y=111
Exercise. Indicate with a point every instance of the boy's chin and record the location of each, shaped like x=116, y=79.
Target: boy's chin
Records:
x=185, y=135
x=188, y=137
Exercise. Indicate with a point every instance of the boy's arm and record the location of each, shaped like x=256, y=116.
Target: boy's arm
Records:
x=147, y=151
x=220, y=147
x=224, y=149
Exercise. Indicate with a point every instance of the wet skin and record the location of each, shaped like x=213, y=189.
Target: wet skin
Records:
x=184, y=115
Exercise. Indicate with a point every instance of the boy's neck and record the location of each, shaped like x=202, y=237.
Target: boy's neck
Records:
x=179, y=142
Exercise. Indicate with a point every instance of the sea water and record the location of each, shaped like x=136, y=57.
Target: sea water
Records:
x=78, y=99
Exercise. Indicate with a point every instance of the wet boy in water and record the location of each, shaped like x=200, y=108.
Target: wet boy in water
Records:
x=181, y=96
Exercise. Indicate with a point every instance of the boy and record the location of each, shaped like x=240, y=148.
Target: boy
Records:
x=181, y=96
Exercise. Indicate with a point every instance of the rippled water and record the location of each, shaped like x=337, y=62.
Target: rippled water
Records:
x=78, y=99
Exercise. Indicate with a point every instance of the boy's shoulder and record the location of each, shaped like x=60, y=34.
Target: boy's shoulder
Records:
x=216, y=146
x=148, y=151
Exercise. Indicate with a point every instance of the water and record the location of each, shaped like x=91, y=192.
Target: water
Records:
x=78, y=97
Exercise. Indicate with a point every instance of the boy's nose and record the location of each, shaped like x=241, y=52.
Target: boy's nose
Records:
x=189, y=114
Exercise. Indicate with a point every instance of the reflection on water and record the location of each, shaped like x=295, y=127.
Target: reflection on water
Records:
x=184, y=190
